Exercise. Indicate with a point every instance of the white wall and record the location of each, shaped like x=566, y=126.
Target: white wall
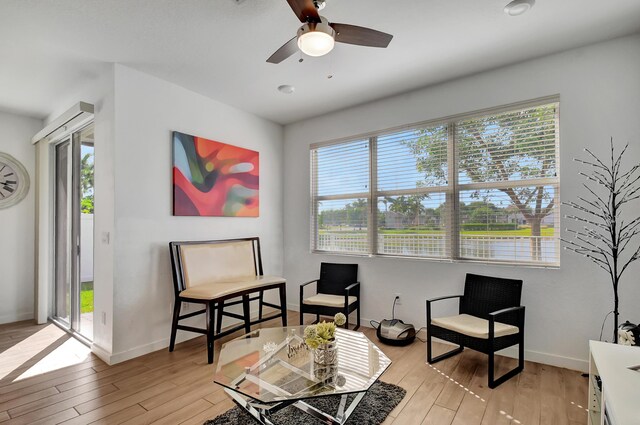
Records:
x=147, y=111
x=17, y=236
x=599, y=87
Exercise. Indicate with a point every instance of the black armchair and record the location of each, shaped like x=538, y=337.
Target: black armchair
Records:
x=491, y=319
x=337, y=290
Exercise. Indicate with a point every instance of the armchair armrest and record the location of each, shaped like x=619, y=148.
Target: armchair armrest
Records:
x=437, y=299
x=352, y=286
x=444, y=298
x=306, y=283
x=494, y=314
x=302, y=289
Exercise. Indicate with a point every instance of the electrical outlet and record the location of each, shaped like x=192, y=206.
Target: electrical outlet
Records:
x=398, y=299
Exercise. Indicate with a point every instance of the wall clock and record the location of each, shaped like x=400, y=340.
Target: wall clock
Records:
x=14, y=181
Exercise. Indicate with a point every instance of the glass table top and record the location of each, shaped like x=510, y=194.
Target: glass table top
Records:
x=274, y=365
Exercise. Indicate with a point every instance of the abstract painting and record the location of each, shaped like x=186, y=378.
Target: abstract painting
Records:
x=213, y=179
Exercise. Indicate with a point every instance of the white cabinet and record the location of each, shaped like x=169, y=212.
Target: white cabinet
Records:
x=614, y=386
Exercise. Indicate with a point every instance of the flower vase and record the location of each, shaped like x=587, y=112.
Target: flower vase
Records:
x=325, y=373
x=326, y=354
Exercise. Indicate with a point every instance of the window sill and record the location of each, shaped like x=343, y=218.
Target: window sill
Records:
x=551, y=266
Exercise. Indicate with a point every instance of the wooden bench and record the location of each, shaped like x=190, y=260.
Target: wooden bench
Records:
x=221, y=274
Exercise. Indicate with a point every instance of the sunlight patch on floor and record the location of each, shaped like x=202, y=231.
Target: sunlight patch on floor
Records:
x=579, y=406
x=49, y=349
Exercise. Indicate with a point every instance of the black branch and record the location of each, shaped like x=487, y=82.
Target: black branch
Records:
x=604, y=237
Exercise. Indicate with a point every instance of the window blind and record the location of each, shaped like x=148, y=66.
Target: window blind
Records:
x=508, y=186
x=341, y=197
x=513, y=146
x=481, y=187
x=412, y=161
x=412, y=178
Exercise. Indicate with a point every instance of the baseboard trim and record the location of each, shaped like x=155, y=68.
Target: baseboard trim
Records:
x=17, y=317
x=539, y=357
x=102, y=354
x=530, y=355
x=141, y=350
x=555, y=360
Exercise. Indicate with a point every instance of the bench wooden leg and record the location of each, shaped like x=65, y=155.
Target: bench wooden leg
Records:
x=220, y=310
x=210, y=313
x=246, y=312
x=174, y=324
x=260, y=301
x=283, y=304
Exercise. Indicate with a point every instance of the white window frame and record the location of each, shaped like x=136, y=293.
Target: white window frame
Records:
x=451, y=190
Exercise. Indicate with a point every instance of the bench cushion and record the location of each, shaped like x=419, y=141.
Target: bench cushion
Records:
x=203, y=264
x=473, y=326
x=213, y=290
x=328, y=300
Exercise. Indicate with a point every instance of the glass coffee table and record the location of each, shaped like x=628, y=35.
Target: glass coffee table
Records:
x=269, y=369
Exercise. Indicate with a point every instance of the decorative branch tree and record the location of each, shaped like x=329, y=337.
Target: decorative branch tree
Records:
x=605, y=238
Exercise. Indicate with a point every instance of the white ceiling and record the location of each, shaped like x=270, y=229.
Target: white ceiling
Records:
x=219, y=48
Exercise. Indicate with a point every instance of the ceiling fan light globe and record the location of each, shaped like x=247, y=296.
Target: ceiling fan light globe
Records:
x=316, y=38
x=315, y=43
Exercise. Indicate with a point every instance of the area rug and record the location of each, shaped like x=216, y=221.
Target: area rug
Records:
x=372, y=410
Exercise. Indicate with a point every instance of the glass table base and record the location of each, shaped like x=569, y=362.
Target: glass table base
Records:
x=262, y=412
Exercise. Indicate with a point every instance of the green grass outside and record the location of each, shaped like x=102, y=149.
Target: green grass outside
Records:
x=545, y=231
x=86, y=297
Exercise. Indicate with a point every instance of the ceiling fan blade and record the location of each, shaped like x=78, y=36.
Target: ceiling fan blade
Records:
x=352, y=34
x=289, y=48
x=305, y=10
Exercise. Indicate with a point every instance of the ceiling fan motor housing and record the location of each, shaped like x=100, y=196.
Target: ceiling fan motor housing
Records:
x=322, y=26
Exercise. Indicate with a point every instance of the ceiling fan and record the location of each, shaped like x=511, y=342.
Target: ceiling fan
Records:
x=316, y=37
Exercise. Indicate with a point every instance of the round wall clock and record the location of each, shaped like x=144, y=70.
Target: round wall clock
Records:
x=14, y=181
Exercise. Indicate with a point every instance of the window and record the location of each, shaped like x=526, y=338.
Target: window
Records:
x=480, y=187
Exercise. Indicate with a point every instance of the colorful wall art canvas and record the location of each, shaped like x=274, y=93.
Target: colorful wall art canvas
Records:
x=213, y=179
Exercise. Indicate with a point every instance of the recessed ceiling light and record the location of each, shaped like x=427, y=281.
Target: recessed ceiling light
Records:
x=518, y=7
x=286, y=89
x=319, y=4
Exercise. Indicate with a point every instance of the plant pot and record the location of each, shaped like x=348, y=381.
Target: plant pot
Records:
x=326, y=354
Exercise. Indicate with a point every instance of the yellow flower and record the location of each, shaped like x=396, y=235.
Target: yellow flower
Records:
x=310, y=332
x=326, y=331
x=321, y=333
x=340, y=319
x=313, y=343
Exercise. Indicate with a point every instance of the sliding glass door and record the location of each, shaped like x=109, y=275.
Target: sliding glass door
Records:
x=63, y=237
x=73, y=228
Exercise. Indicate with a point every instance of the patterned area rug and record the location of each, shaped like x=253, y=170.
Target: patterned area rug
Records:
x=372, y=410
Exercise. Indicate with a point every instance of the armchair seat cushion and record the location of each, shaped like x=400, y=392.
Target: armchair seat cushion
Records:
x=213, y=290
x=473, y=326
x=328, y=300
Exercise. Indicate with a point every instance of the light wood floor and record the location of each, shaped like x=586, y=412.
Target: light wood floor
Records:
x=177, y=388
